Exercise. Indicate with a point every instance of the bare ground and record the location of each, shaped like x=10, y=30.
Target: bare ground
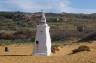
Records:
x=59, y=57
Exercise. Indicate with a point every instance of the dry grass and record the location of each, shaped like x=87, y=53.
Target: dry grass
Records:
x=59, y=57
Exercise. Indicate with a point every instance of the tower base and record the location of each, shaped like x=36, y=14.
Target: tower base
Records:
x=40, y=54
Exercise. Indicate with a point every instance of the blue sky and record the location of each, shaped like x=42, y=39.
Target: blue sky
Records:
x=70, y=6
x=84, y=4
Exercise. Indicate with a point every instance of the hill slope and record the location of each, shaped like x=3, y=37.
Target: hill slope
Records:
x=63, y=25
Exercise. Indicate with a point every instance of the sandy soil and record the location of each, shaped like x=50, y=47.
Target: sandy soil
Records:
x=59, y=57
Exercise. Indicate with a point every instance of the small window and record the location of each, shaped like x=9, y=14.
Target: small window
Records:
x=37, y=42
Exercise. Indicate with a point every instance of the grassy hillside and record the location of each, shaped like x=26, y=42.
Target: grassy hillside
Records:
x=64, y=26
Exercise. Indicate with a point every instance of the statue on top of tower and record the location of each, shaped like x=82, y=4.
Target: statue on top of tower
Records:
x=43, y=18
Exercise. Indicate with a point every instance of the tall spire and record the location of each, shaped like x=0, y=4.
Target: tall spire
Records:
x=43, y=19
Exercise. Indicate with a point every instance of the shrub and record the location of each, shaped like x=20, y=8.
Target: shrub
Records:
x=55, y=48
x=81, y=48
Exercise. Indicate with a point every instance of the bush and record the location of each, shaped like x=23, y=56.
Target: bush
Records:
x=55, y=48
x=81, y=48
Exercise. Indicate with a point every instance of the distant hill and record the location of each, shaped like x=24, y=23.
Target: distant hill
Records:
x=21, y=19
x=62, y=24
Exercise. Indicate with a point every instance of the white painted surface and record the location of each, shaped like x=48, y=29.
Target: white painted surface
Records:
x=43, y=47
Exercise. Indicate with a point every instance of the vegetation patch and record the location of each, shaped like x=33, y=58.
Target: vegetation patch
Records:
x=89, y=37
x=55, y=48
x=80, y=49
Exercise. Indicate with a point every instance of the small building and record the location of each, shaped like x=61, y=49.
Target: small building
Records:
x=42, y=45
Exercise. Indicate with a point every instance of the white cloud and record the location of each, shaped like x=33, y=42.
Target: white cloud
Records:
x=47, y=5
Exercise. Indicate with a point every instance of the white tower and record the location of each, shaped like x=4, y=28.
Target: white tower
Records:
x=43, y=41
